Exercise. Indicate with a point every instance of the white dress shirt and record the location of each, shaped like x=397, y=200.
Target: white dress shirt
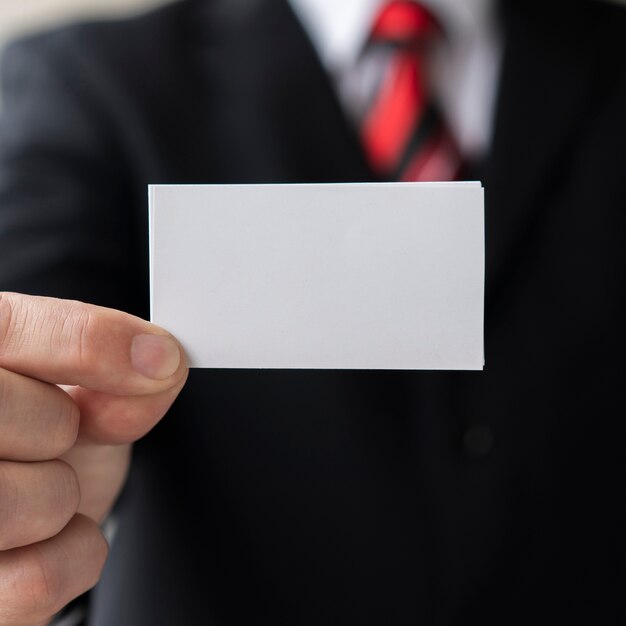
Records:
x=463, y=67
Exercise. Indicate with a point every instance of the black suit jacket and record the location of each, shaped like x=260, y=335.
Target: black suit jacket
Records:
x=290, y=497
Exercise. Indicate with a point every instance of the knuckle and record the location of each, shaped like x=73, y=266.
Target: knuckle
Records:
x=52, y=485
x=64, y=430
x=5, y=389
x=8, y=503
x=68, y=487
x=95, y=554
x=100, y=555
x=38, y=421
x=36, y=587
x=45, y=577
x=6, y=320
x=66, y=327
x=74, y=327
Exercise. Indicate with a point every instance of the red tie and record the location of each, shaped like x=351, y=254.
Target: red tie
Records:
x=403, y=134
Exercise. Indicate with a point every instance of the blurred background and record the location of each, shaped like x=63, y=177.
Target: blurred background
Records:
x=20, y=17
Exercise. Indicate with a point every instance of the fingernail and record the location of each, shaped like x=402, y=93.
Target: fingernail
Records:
x=154, y=356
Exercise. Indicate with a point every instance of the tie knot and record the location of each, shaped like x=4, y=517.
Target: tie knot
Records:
x=404, y=23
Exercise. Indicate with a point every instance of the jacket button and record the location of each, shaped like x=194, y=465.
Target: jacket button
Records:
x=478, y=440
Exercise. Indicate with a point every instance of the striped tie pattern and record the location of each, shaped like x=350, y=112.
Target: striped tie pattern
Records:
x=403, y=134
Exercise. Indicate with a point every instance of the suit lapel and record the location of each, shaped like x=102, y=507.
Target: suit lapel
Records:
x=544, y=91
x=273, y=113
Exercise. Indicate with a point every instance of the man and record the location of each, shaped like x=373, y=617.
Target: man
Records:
x=308, y=497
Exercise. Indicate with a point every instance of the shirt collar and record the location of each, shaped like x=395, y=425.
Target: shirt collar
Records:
x=339, y=29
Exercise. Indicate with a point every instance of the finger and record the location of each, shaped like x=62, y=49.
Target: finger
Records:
x=38, y=421
x=101, y=472
x=68, y=342
x=36, y=501
x=113, y=420
x=108, y=425
x=38, y=580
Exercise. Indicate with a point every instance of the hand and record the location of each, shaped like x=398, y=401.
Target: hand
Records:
x=64, y=451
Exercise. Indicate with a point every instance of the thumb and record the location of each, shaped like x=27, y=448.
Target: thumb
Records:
x=73, y=343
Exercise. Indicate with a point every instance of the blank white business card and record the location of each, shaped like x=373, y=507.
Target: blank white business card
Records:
x=333, y=276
